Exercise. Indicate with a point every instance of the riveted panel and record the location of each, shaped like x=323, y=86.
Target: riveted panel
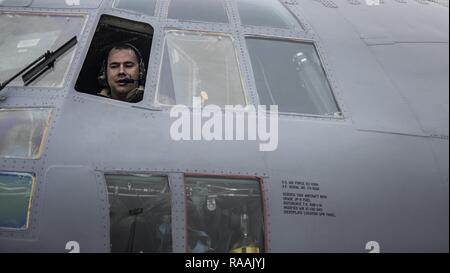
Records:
x=69, y=194
x=178, y=212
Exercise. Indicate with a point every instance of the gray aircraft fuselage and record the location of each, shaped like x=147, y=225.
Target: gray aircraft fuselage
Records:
x=376, y=174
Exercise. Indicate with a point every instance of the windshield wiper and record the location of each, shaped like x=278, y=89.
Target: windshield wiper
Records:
x=41, y=64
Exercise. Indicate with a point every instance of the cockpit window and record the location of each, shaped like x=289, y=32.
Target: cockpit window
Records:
x=198, y=10
x=268, y=13
x=15, y=3
x=22, y=132
x=289, y=74
x=200, y=68
x=24, y=38
x=140, y=213
x=146, y=7
x=224, y=215
x=61, y=4
x=15, y=199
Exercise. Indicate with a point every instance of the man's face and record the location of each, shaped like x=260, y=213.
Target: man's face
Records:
x=122, y=64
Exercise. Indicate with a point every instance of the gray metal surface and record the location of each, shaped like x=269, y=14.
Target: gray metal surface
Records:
x=383, y=166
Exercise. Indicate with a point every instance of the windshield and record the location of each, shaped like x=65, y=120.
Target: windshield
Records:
x=200, y=66
x=26, y=37
x=16, y=191
x=289, y=74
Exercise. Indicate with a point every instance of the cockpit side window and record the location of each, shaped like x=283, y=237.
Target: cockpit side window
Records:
x=289, y=74
x=26, y=37
x=200, y=68
x=140, y=213
x=116, y=64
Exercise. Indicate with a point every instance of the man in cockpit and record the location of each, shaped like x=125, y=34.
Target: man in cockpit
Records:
x=122, y=75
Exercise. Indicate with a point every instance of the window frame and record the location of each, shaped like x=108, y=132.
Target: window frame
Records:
x=146, y=53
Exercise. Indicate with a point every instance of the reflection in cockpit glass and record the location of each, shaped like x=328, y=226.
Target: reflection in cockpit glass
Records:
x=146, y=7
x=224, y=215
x=266, y=13
x=26, y=37
x=23, y=132
x=16, y=190
x=140, y=213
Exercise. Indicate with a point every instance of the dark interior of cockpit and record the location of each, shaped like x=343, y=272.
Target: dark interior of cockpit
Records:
x=225, y=224
x=112, y=30
x=140, y=213
x=224, y=216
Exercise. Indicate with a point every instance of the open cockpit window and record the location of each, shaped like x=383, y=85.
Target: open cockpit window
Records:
x=16, y=190
x=116, y=63
x=23, y=132
x=224, y=215
x=26, y=37
x=140, y=213
x=289, y=74
x=199, y=69
x=146, y=7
